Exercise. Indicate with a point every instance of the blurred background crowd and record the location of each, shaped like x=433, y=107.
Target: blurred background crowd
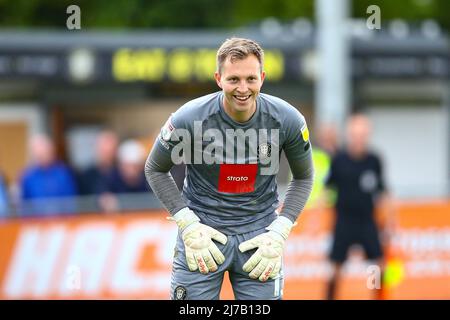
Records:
x=114, y=181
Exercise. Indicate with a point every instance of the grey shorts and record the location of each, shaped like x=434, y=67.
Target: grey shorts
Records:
x=190, y=285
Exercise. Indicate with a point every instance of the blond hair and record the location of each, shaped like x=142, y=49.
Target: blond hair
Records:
x=239, y=49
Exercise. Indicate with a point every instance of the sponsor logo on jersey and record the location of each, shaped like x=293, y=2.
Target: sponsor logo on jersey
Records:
x=234, y=178
x=237, y=178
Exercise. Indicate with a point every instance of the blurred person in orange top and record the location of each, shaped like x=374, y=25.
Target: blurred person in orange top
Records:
x=47, y=185
x=356, y=173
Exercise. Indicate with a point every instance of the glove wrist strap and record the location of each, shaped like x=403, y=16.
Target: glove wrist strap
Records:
x=282, y=226
x=185, y=217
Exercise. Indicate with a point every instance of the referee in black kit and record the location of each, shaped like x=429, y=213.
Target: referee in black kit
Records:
x=357, y=175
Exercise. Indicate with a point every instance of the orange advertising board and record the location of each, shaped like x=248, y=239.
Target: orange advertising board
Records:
x=129, y=256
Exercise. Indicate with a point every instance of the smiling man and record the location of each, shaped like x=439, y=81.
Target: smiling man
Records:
x=240, y=76
x=226, y=213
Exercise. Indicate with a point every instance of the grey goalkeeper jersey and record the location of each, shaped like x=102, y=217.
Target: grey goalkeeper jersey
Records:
x=231, y=166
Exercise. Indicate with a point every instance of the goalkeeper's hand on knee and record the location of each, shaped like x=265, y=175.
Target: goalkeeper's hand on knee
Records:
x=266, y=262
x=201, y=252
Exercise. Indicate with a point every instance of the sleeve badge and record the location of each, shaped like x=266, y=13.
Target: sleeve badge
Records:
x=167, y=130
x=305, y=132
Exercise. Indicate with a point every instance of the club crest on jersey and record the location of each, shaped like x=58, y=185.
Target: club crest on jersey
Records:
x=167, y=130
x=264, y=150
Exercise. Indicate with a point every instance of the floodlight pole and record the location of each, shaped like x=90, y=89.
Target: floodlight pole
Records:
x=332, y=94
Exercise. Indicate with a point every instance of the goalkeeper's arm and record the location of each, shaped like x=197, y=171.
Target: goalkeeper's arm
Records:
x=157, y=173
x=299, y=188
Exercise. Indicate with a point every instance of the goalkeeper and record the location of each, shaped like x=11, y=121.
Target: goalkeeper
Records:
x=226, y=213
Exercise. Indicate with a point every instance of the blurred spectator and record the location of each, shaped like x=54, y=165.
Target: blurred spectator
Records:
x=325, y=146
x=4, y=203
x=327, y=139
x=130, y=176
x=96, y=178
x=357, y=175
x=47, y=185
x=324, y=149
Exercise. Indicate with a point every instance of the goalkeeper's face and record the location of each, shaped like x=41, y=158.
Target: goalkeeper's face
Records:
x=241, y=81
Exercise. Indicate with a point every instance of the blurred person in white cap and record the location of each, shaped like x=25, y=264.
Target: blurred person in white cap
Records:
x=130, y=177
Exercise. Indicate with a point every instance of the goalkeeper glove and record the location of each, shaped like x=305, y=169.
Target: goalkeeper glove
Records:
x=265, y=263
x=201, y=252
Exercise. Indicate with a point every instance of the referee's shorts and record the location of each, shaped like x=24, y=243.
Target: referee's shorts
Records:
x=348, y=233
